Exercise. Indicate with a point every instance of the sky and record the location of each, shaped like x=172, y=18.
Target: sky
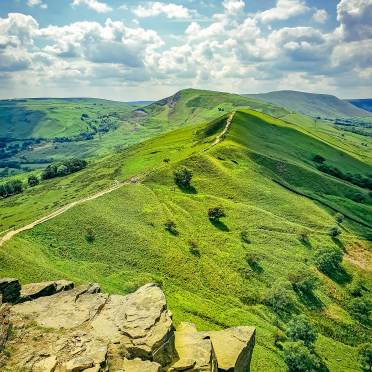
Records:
x=129, y=50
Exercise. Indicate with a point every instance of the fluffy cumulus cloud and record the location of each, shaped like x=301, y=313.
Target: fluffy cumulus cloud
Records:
x=32, y=3
x=95, y=5
x=235, y=50
x=283, y=10
x=170, y=10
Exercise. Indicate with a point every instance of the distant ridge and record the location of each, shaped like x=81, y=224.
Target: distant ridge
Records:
x=323, y=105
x=364, y=104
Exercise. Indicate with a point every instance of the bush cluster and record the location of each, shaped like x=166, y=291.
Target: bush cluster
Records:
x=328, y=260
x=182, y=177
x=11, y=188
x=63, y=168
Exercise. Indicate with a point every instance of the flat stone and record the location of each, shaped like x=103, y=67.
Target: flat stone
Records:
x=32, y=291
x=194, y=349
x=48, y=364
x=79, y=363
x=138, y=365
x=233, y=348
x=9, y=289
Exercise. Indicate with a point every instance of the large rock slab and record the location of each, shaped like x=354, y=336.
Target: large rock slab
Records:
x=233, y=348
x=9, y=290
x=138, y=365
x=194, y=349
x=35, y=290
x=140, y=322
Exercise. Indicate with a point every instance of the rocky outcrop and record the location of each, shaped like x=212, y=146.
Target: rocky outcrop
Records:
x=57, y=327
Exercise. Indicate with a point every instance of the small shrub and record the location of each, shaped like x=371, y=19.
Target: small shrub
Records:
x=356, y=288
x=32, y=181
x=166, y=160
x=194, y=250
x=303, y=237
x=214, y=214
x=360, y=309
x=299, y=358
x=253, y=261
x=182, y=177
x=328, y=260
x=171, y=227
x=89, y=236
x=300, y=329
x=339, y=217
x=244, y=237
x=365, y=356
x=279, y=337
x=318, y=159
x=279, y=299
x=303, y=281
x=334, y=232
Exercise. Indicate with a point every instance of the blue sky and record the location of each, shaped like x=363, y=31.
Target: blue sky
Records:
x=129, y=50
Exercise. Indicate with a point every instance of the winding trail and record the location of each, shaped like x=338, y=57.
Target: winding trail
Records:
x=65, y=208
x=10, y=233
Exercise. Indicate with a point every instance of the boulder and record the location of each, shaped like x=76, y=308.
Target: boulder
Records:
x=48, y=364
x=140, y=322
x=136, y=365
x=194, y=349
x=9, y=290
x=35, y=290
x=79, y=363
x=233, y=348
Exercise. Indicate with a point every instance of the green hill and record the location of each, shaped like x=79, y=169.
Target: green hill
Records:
x=315, y=105
x=279, y=209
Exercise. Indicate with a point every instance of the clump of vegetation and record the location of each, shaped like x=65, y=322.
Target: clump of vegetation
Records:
x=182, y=177
x=303, y=281
x=360, y=309
x=10, y=188
x=194, y=249
x=339, y=217
x=63, y=168
x=365, y=356
x=328, y=260
x=244, y=237
x=303, y=237
x=254, y=262
x=166, y=160
x=356, y=288
x=279, y=299
x=171, y=227
x=318, y=159
x=33, y=181
x=279, y=337
x=299, y=358
x=300, y=329
x=214, y=214
x=334, y=232
x=89, y=236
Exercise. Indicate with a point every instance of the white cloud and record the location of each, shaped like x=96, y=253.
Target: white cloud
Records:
x=170, y=10
x=233, y=6
x=283, y=10
x=320, y=16
x=355, y=19
x=95, y=5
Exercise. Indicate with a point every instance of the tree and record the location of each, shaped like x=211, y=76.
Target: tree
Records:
x=361, y=309
x=318, y=159
x=303, y=281
x=299, y=358
x=328, y=260
x=33, y=181
x=279, y=299
x=365, y=356
x=89, y=236
x=11, y=188
x=171, y=227
x=334, y=232
x=182, y=177
x=214, y=214
x=300, y=329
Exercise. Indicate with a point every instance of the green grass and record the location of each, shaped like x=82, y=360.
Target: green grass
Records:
x=263, y=176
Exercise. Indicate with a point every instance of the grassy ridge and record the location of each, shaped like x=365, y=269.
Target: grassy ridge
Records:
x=215, y=287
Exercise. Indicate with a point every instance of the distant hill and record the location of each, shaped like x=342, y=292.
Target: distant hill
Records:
x=323, y=105
x=364, y=104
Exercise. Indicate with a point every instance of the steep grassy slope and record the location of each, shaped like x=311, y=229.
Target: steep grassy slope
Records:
x=263, y=175
x=364, y=104
x=311, y=104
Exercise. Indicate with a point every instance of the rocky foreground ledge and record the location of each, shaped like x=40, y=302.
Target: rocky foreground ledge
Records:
x=55, y=326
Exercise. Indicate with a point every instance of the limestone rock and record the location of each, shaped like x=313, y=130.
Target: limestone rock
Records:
x=80, y=363
x=136, y=365
x=233, y=348
x=141, y=322
x=35, y=290
x=9, y=290
x=194, y=350
x=48, y=364
x=66, y=309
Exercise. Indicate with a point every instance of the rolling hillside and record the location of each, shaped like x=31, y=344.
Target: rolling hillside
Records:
x=280, y=206
x=315, y=105
x=364, y=104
